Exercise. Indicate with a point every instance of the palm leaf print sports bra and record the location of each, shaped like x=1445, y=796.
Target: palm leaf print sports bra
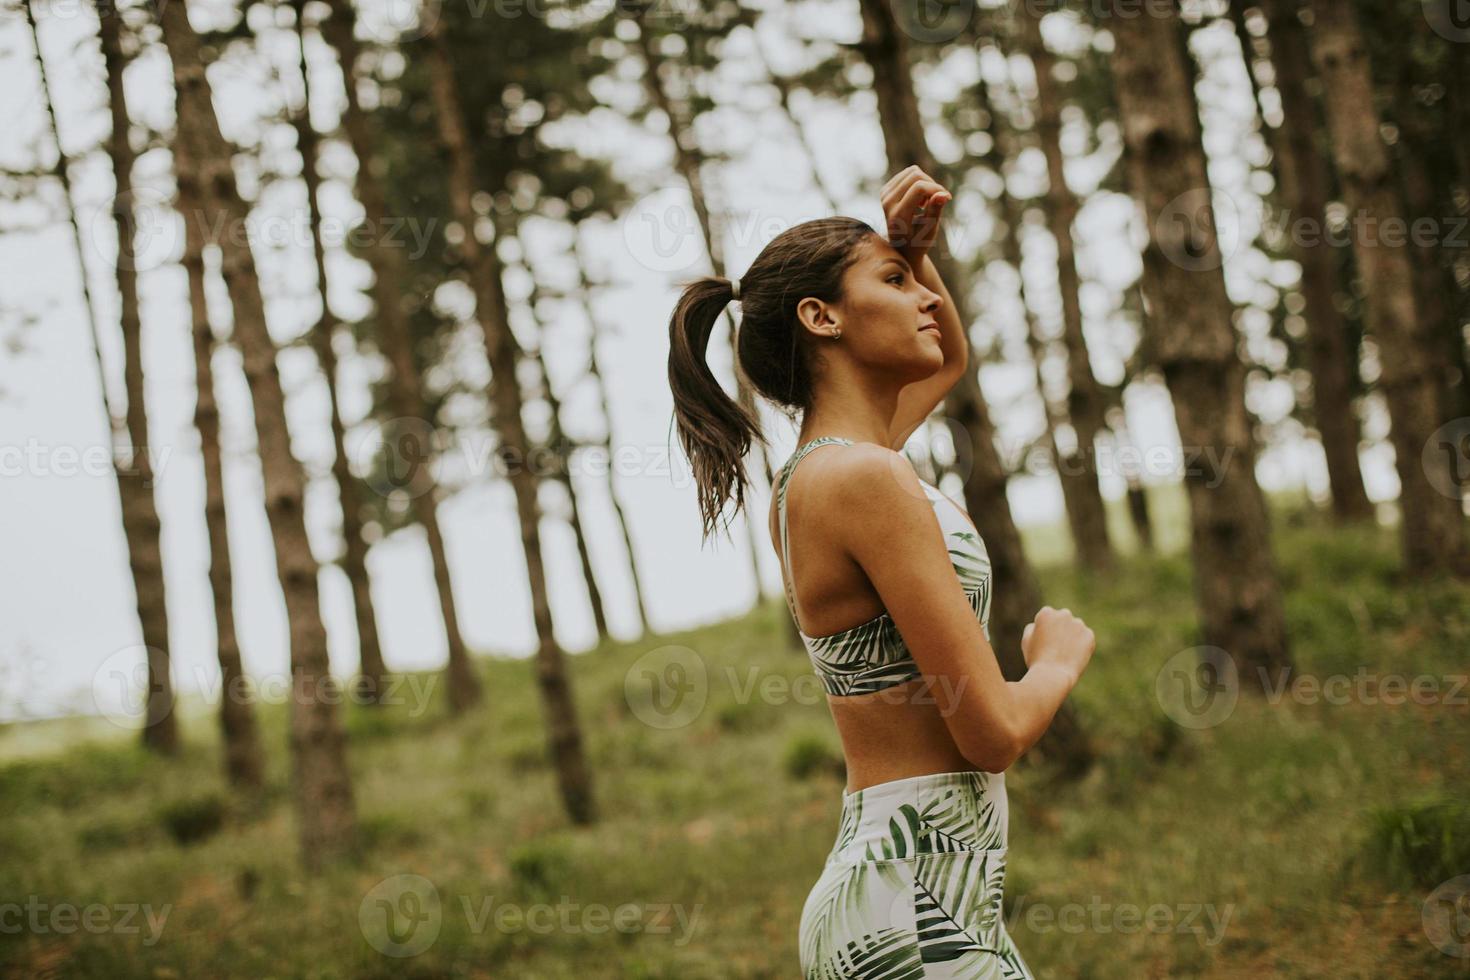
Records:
x=872, y=656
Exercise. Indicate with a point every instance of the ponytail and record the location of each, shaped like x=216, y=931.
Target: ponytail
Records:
x=715, y=430
x=772, y=353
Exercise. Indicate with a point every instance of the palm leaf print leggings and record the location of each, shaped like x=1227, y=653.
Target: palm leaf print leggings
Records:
x=912, y=886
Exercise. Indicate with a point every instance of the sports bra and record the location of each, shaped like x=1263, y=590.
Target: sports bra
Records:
x=872, y=656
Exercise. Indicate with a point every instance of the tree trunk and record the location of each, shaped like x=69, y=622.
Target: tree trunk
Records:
x=1137, y=494
x=1236, y=584
x=395, y=339
x=584, y=297
x=1017, y=595
x=1085, y=401
x=1426, y=168
x=562, y=449
x=1432, y=521
x=372, y=675
x=134, y=477
x=492, y=312
x=1084, y=506
x=1305, y=179
x=140, y=513
x=244, y=762
x=688, y=163
x=326, y=812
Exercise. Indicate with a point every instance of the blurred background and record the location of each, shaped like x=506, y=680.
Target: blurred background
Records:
x=357, y=620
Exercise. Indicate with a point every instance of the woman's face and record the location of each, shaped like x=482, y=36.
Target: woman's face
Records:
x=883, y=316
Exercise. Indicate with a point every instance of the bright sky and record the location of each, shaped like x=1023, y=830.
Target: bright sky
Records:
x=66, y=599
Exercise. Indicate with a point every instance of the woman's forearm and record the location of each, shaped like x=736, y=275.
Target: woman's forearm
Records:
x=1035, y=700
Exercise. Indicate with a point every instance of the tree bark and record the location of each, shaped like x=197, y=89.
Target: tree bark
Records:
x=1426, y=168
x=1085, y=401
x=562, y=449
x=493, y=314
x=584, y=297
x=1080, y=496
x=395, y=339
x=1305, y=179
x=1432, y=522
x=140, y=512
x=244, y=762
x=1237, y=588
x=326, y=811
x=688, y=163
x=1017, y=595
x=371, y=682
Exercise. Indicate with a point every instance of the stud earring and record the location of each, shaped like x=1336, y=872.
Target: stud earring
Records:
x=836, y=333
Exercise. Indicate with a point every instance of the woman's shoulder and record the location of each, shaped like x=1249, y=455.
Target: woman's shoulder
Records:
x=867, y=481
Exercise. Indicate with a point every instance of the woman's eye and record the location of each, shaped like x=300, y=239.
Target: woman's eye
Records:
x=898, y=276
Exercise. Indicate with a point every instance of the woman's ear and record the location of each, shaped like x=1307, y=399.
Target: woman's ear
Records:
x=816, y=316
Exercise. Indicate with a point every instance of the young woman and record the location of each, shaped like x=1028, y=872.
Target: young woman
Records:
x=887, y=580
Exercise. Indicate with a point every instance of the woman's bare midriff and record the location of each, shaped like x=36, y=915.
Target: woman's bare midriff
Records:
x=897, y=733
x=890, y=734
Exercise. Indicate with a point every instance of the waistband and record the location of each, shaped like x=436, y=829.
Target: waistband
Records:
x=935, y=813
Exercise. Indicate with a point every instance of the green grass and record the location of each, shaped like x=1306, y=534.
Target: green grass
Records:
x=1311, y=831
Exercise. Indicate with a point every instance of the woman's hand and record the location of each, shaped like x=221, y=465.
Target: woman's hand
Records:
x=913, y=203
x=1060, y=638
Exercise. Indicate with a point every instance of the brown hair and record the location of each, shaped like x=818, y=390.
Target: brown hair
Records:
x=772, y=351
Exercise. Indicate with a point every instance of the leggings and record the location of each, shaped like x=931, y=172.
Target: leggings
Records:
x=911, y=889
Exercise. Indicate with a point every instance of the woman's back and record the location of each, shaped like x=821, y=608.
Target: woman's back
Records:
x=877, y=694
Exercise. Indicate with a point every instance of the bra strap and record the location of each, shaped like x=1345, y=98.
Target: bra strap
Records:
x=787, y=576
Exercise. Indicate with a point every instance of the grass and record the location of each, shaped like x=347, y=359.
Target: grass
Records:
x=1295, y=839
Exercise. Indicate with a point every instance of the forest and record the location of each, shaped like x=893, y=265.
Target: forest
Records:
x=358, y=622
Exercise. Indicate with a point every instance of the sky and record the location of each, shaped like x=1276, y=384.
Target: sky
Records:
x=67, y=615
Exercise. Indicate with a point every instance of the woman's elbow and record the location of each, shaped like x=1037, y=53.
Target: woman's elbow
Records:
x=999, y=753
